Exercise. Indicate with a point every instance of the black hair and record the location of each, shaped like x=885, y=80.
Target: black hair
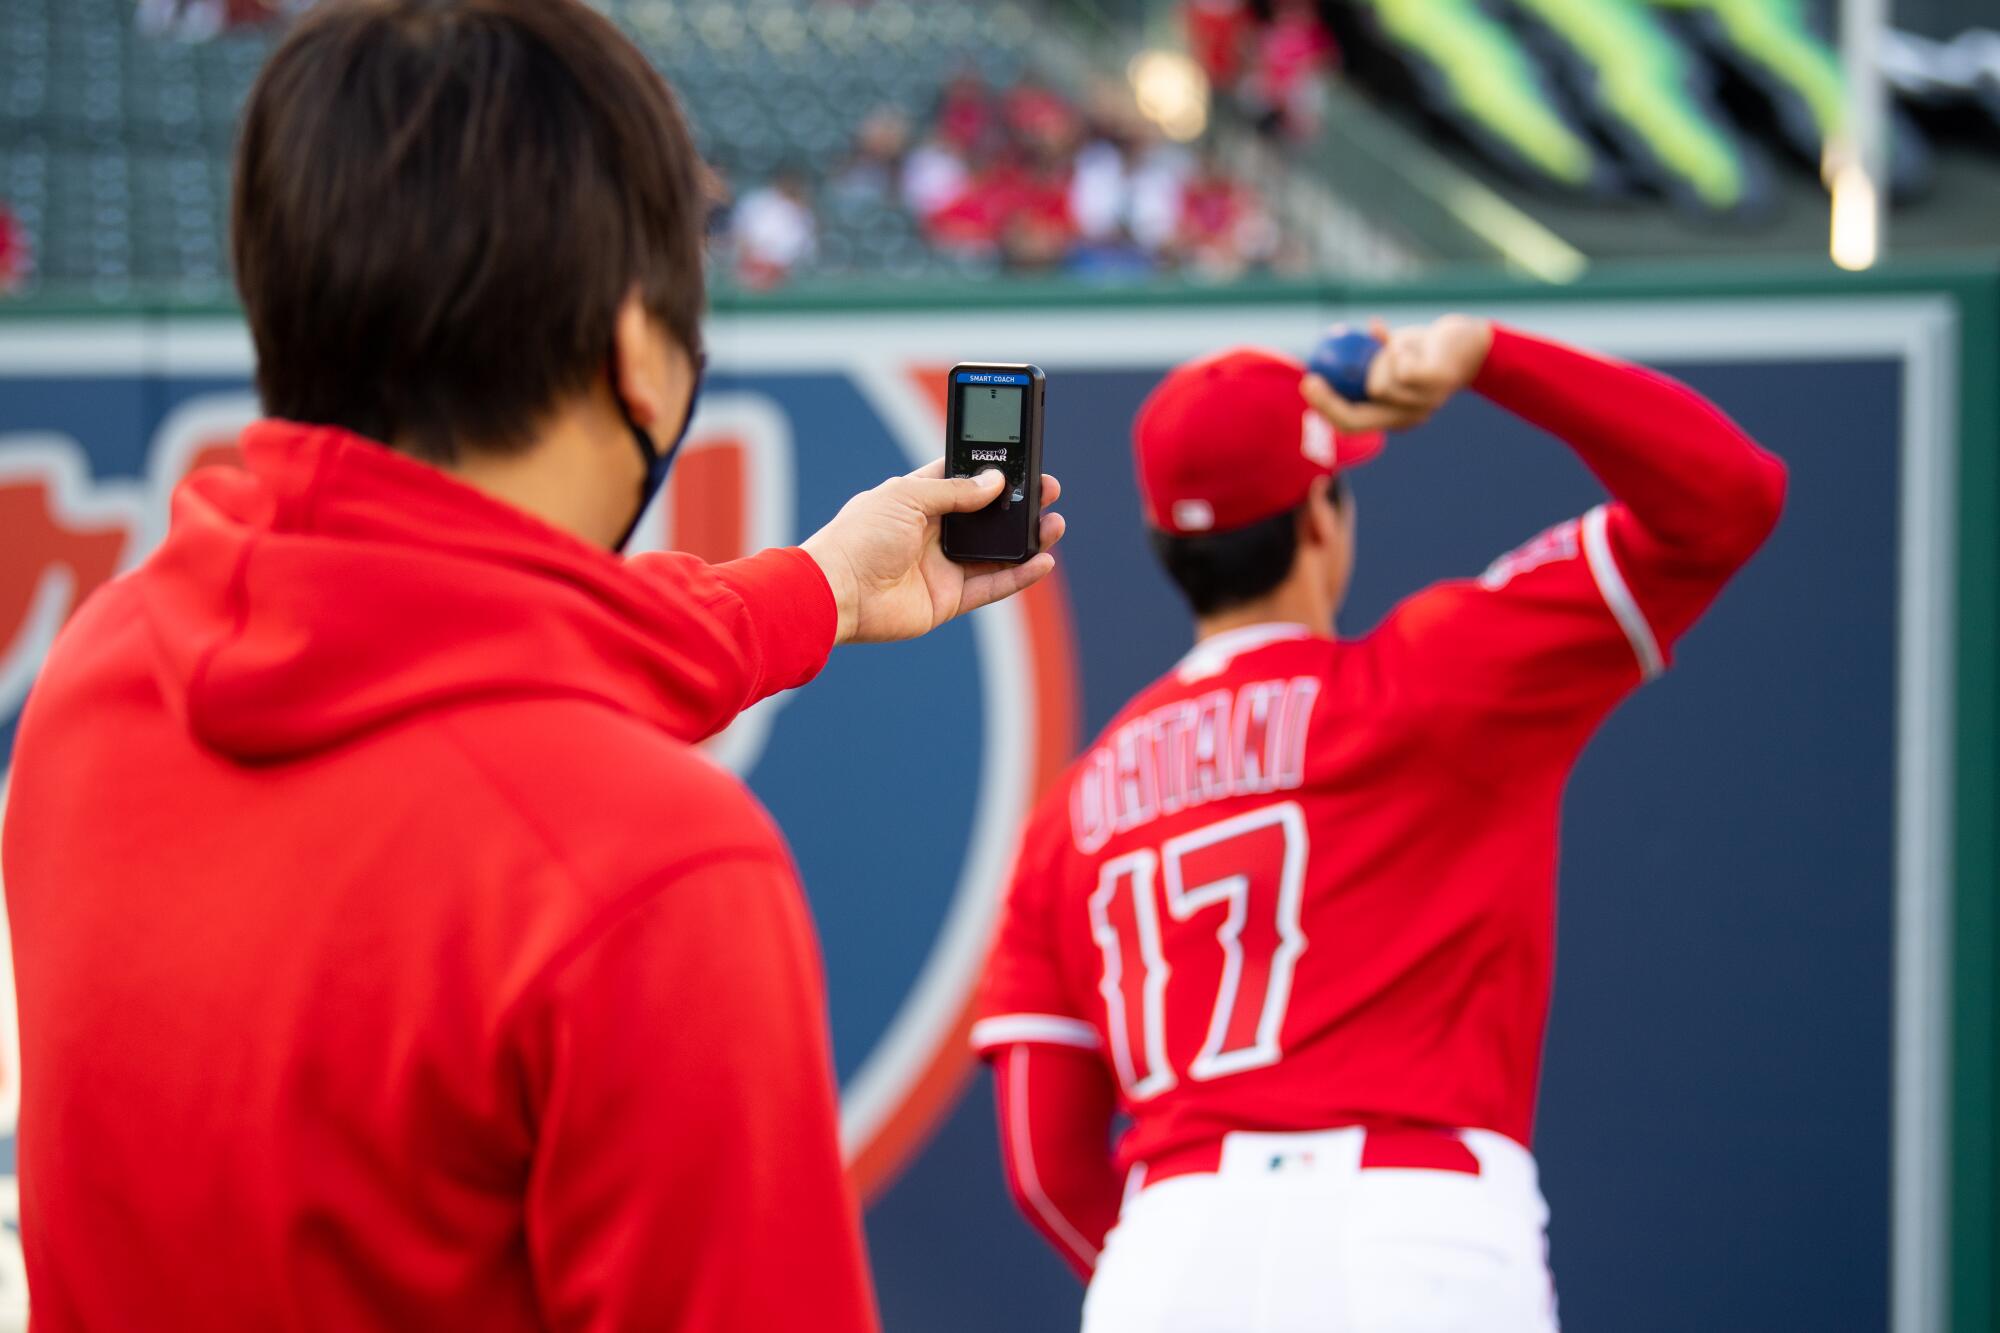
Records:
x=440, y=206
x=1219, y=571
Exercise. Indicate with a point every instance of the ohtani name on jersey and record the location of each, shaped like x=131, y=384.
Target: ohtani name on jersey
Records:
x=1184, y=754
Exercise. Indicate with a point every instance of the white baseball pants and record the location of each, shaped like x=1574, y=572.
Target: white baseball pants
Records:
x=1290, y=1235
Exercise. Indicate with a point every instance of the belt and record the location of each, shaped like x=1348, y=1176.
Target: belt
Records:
x=1400, y=1147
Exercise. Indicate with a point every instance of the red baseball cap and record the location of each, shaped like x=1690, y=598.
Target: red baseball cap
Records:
x=1226, y=440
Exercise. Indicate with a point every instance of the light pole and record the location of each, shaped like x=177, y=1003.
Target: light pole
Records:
x=1858, y=157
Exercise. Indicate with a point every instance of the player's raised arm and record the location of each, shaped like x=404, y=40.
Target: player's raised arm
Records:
x=1691, y=478
x=1571, y=620
x=1693, y=496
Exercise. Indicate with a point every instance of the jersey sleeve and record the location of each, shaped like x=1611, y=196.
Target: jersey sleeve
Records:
x=680, y=1077
x=788, y=611
x=1567, y=623
x=1025, y=996
x=771, y=622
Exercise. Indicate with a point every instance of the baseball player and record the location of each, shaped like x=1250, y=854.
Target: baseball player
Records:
x=1293, y=912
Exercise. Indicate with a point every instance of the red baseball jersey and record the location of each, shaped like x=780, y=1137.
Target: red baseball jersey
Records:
x=1302, y=882
x=1299, y=881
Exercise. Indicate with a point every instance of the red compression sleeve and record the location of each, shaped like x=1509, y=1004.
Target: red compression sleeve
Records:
x=1056, y=1104
x=1691, y=478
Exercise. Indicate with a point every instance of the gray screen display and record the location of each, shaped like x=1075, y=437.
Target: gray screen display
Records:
x=990, y=414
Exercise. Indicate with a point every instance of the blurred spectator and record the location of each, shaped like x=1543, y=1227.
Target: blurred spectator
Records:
x=1033, y=242
x=1159, y=182
x=1218, y=31
x=1025, y=179
x=871, y=172
x=972, y=222
x=1037, y=118
x=1102, y=179
x=198, y=20
x=1100, y=188
x=1270, y=57
x=238, y=13
x=774, y=230
x=15, y=260
x=966, y=118
x=191, y=20
x=1224, y=228
x=1294, y=54
x=934, y=175
x=1038, y=229
x=1018, y=175
x=720, y=195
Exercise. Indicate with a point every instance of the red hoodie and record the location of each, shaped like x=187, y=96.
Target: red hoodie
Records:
x=388, y=958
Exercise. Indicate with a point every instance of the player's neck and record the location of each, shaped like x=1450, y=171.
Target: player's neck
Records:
x=1291, y=603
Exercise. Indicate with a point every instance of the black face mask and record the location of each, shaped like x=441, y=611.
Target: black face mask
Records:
x=658, y=464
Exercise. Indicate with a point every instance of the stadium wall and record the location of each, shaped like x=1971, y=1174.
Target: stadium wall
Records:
x=1771, y=1091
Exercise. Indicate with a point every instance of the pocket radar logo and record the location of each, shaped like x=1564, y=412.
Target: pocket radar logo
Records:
x=899, y=776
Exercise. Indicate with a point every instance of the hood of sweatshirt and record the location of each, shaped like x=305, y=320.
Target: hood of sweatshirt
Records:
x=331, y=586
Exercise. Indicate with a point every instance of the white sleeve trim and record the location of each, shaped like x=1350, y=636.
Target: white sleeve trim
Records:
x=1618, y=596
x=1046, y=1029
x=1024, y=1161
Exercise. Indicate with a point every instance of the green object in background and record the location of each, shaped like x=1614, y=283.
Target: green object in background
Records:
x=1644, y=82
x=1777, y=36
x=1491, y=80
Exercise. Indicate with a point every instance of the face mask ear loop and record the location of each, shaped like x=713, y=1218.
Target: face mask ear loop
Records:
x=657, y=465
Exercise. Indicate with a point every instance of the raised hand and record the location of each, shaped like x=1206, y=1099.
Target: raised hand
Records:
x=1416, y=373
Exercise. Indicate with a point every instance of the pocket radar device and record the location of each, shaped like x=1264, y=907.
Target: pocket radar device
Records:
x=994, y=420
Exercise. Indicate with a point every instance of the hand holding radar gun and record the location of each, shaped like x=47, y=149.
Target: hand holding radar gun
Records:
x=974, y=544
x=993, y=421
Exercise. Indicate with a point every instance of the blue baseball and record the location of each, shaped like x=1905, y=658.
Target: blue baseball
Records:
x=1342, y=359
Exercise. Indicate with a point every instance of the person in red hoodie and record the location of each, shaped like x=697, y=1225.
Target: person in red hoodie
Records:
x=387, y=955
